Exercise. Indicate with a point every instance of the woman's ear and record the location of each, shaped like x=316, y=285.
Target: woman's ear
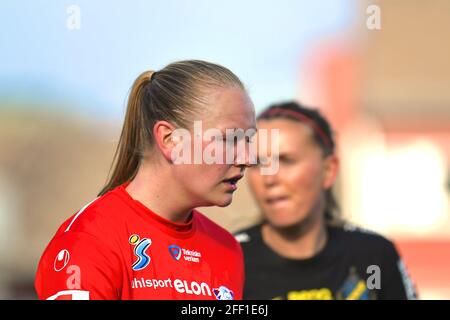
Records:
x=331, y=168
x=162, y=132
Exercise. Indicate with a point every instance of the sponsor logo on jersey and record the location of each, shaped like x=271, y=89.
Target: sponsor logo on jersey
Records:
x=140, y=248
x=184, y=287
x=188, y=255
x=223, y=293
x=312, y=294
x=61, y=260
x=70, y=295
x=175, y=251
x=354, y=288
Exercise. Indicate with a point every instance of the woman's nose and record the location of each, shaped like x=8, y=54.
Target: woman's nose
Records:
x=245, y=156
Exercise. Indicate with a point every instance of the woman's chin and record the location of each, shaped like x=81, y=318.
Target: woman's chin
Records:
x=222, y=201
x=225, y=203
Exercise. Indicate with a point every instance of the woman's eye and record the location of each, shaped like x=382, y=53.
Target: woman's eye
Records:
x=287, y=160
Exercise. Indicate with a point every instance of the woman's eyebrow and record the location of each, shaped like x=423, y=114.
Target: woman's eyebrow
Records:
x=253, y=130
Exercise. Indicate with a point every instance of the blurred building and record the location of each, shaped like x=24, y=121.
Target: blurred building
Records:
x=50, y=166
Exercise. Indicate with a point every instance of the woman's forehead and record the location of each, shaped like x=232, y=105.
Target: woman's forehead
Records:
x=284, y=135
x=229, y=108
x=288, y=129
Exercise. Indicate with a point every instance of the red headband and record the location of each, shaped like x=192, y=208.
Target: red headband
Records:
x=302, y=118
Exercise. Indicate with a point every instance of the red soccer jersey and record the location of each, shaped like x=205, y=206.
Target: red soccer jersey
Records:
x=116, y=248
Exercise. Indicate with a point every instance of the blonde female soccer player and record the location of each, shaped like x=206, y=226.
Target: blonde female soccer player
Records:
x=142, y=237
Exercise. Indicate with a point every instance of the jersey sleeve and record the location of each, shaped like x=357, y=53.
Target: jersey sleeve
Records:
x=396, y=283
x=78, y=266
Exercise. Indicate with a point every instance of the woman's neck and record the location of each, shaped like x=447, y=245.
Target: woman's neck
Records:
x=151, y=187
x=301, y=241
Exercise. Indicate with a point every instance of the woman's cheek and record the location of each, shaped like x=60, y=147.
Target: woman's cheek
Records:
x=298, y=176
x=255, y=182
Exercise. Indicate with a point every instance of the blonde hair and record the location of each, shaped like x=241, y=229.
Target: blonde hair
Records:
x=172, y=94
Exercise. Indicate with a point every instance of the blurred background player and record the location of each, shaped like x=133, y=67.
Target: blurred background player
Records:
x=142, y=237
x=302, y=249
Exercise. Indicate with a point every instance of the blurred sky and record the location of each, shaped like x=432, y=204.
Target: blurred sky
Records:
x=90, y=70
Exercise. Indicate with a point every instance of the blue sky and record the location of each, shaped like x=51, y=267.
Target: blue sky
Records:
x=90, y=70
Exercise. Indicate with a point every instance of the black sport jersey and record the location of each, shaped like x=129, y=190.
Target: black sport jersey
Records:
x=354, y=264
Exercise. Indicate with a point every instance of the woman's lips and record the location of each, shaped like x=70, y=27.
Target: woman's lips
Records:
x=277, y=201
x=232, y=183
